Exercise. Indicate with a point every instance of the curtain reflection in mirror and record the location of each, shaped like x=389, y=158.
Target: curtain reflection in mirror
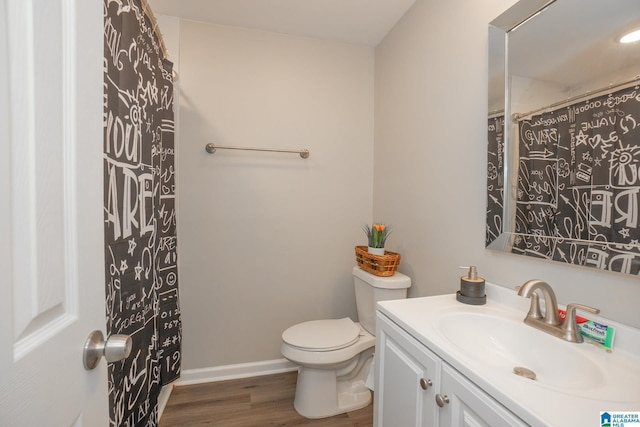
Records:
x=578, y=185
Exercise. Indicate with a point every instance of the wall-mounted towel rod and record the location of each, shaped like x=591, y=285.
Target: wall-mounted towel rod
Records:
x=304, y=153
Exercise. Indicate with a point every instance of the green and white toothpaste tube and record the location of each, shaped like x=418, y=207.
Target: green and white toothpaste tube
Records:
x=595, y=332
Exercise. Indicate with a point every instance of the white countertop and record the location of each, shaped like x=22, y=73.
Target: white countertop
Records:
x=536, y=403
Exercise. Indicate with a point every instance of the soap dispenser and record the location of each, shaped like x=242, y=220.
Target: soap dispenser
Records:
x=471, y=288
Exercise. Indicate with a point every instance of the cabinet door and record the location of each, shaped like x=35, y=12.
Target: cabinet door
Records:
x=464, y=404
x=406, y=373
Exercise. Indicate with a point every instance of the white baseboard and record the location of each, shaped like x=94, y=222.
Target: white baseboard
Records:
x=230, y=372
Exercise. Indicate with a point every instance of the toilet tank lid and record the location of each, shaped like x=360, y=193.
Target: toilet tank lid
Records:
x=397, y=281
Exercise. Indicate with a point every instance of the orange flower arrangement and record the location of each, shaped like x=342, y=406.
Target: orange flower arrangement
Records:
x=377, y=234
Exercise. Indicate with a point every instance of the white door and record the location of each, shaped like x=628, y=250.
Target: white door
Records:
x=51, y=221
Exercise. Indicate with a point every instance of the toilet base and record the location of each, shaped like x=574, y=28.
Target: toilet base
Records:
x=322, y=393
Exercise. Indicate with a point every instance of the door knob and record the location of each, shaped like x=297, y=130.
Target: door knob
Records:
x=114, y=349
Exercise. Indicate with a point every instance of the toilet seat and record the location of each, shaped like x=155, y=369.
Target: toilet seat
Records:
x=322, y=335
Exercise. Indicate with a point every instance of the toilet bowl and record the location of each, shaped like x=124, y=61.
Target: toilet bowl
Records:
x=333, y=369
x=334, y=355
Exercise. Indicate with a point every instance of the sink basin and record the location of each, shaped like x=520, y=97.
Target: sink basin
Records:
x=505, y=344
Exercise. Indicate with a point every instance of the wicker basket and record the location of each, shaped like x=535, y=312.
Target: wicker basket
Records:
x=380, y=265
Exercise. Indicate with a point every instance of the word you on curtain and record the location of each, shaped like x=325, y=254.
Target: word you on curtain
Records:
x=579, y=183
x=139, y=213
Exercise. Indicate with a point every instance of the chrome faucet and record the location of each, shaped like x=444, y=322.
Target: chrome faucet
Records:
x=550, y=322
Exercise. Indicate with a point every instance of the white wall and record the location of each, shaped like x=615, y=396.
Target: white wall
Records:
x=267, y=240
x=430, y=161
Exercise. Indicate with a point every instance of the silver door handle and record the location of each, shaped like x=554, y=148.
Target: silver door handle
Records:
x=114, y=349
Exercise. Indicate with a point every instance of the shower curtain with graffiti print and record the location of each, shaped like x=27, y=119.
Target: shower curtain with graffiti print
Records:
x=578, y=191
x=139, y=213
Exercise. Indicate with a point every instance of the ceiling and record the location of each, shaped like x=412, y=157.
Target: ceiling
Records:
x=572, y=44
x=364, y=22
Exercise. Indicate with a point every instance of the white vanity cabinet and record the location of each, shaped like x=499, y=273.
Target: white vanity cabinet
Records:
x=412, y=382
x=406, y=373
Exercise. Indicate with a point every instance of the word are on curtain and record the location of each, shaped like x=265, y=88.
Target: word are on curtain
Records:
x=139, y=213
x=578, y=191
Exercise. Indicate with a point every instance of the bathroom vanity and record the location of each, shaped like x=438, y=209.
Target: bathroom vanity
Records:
x=443, y=363
x=418, y=388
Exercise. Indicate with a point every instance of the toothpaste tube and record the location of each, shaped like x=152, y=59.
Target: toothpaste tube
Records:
x=595, y=332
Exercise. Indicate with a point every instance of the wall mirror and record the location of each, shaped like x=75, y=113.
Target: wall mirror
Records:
x=564, y=133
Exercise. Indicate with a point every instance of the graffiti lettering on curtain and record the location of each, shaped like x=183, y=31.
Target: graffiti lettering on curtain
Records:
x=139, y=213
x=495, y=171
x=578, y=193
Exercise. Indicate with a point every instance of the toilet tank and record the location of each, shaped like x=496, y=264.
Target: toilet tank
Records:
x=371, y=288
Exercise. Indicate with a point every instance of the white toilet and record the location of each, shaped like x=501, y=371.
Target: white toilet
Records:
x=335, y=355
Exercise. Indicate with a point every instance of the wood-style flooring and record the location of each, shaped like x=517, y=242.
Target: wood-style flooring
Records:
x=248, y=402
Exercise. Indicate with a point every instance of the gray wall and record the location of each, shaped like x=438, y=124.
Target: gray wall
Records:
x=430, y=161
x=267, y=240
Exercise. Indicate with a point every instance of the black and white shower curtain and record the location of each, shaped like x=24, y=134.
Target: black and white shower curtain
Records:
x=495, y=170
x=139, y=213
x=578, y=192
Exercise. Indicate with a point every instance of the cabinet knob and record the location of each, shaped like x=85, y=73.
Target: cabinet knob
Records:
x=425, y=384
x=442, y=400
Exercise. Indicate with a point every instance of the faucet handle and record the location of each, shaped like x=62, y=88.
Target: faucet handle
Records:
x=570, y=326
x=534, y=308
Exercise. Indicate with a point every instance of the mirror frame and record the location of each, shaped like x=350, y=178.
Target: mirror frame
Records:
x=501, y=238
